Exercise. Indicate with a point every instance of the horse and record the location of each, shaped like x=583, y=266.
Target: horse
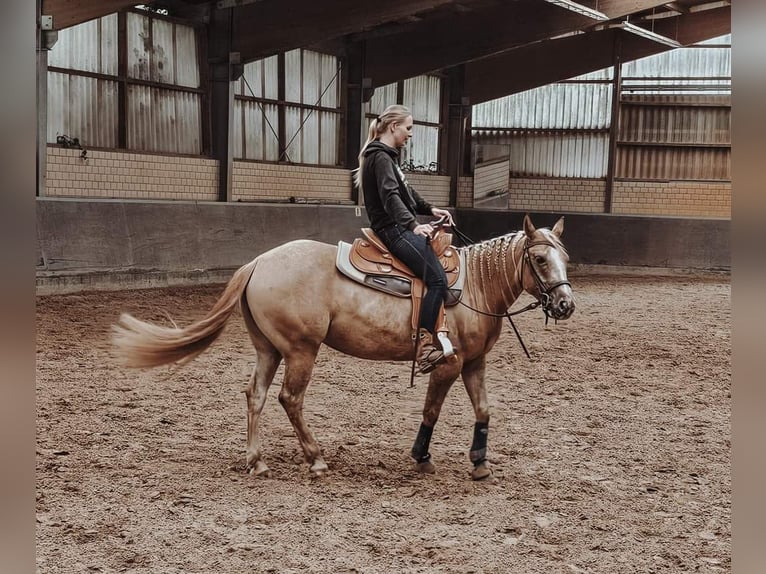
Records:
x=293, y=299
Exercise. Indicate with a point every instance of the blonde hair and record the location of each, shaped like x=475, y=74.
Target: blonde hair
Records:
x=392, y=114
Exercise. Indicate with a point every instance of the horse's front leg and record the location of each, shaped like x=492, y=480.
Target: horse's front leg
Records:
x=438, y=385
x=473, y=379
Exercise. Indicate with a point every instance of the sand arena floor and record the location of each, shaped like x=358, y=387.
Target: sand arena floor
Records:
x=610, y=449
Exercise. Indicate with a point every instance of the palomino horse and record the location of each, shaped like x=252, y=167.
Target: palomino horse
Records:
x=293, y=299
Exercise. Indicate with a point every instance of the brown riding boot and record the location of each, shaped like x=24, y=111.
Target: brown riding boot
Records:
x=429, y=355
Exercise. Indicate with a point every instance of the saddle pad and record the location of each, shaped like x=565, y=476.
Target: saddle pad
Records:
x=392, y=283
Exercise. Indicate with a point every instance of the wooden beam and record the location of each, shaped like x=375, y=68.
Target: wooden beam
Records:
x=619, y=8
x=444, y=42
x=68, y=13
x=695, y=26
x=270, y=26
x=539, y=64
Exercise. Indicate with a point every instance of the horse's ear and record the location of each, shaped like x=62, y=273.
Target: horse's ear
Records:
x=558, y=229
x=529, y=229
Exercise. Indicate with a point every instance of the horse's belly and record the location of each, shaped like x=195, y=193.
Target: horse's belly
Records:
x=371, y=325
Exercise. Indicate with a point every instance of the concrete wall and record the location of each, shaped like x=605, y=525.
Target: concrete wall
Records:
x=111, y=244
x=95, y=244
x=599, y=239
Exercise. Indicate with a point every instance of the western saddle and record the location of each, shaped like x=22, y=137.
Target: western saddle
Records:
x=369, y=262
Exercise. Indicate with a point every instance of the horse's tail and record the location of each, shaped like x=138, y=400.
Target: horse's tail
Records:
x=142, y=344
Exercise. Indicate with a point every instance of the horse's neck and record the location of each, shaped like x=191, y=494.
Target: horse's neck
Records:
x=493, y=276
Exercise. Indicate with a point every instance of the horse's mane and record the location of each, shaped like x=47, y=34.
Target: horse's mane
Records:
x=492, y=242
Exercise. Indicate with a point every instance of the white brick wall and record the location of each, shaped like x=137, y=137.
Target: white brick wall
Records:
x=253, y=181
x=115, y=174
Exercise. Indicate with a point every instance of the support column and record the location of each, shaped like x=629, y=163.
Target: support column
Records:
x=46, y=38
x=122, y=73
x=456, y=126
x=614, y=129
x=353, y=80
x=221, y=90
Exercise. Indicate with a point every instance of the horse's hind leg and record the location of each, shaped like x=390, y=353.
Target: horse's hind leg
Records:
x=298, y=368
x=473, y=379
x=263, y=374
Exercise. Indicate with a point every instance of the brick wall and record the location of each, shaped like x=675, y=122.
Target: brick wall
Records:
x=433, y=188
x=684, y=198
x=253, y=181
x=692, y=198
x=465, y=192
x=126, y=175
x=557, y=194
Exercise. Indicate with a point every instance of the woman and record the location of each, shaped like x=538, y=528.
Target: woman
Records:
x=391, y=206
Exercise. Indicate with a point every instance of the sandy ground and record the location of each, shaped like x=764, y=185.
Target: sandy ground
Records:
x=610, y=449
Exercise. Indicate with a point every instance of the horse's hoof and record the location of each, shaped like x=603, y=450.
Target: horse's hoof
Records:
x=318, y=469
x=426, y=467
x=260, y=470
x=481, y=471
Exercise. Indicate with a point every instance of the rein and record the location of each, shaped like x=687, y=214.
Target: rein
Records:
x=545, y=291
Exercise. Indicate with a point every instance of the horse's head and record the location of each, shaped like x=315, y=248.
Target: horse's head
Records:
x=544, y=269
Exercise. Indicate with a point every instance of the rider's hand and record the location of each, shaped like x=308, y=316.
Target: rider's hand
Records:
x=439, y=212
x=423, y=229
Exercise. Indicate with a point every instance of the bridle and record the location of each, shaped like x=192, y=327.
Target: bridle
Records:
x=544, y=298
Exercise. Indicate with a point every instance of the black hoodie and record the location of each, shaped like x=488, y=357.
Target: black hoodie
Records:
x=388, y=197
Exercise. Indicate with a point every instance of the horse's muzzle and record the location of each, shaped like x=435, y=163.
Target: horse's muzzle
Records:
x=562, y=303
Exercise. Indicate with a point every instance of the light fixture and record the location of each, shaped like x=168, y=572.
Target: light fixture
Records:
x=648, y=34
x=580, y=9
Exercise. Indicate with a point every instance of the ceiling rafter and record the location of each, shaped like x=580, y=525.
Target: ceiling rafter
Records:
x=546, y=62
x=68, y=13
x=271, y=26
x=433, y=45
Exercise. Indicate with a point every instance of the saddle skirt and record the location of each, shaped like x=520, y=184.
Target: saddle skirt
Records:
x=368, y=261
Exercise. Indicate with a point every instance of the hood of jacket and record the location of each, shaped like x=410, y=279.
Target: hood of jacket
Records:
x=376, y=146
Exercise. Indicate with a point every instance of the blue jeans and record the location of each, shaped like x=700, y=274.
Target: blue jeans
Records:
x=416, y=253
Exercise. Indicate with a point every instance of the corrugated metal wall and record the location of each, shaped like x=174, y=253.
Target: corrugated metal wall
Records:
x=558, y=130
x=557, y=106
x=704, y=69
x=160, y=52
x=81, y=106
x=675, y=137
x=675, y=121
x=422, y=95
x=312, y=127
x=160, y=119
x=256, y=122
x=89, y=47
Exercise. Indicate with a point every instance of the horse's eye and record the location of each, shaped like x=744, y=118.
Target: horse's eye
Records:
x=540, y=260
